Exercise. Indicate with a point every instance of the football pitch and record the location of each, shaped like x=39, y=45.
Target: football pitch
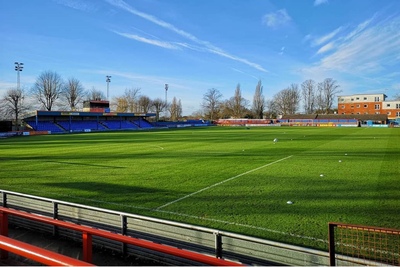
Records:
x=234, y=179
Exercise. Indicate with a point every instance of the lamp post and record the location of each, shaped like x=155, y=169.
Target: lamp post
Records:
x=166, y=90
x=18, y=67
x=166, y=102
x=108, y=80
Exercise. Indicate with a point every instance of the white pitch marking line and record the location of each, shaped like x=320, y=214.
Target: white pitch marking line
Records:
x=196, y=217
x=244, y=225
x=224, y=181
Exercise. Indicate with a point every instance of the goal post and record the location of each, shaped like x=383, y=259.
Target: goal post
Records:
x=363, y=245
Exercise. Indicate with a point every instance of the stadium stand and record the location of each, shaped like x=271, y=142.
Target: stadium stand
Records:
x=45, y=126
x=64, y=122
x=117, y=125
x=142, y=123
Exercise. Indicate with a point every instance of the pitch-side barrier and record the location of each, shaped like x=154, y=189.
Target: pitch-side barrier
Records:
x=88, y=232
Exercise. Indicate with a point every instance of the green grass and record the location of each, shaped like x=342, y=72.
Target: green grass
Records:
x=233, y=179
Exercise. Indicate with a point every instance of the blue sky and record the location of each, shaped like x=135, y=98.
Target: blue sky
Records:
x=195, y=45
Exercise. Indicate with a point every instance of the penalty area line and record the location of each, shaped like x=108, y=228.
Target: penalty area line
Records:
x=224, y=181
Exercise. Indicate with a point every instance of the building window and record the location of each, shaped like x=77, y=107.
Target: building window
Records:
x=365, y=106
x=357, y=98
x=376, y=98
x=377, y=106
x=397, y=105
x=342, y=106
x=388, y=105
x=342, y=100
x=358, y=106
x=352, y=106
x=352, y=99
x=389, y=113
x=358, y=113
x=365, y=98
x=377, y=112
x=397, y=114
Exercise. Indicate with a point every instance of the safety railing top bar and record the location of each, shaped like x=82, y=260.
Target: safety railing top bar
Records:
x=215, y=232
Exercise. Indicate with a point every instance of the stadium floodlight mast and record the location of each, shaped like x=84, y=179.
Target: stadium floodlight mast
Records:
x=166, y=90
x=108, y=80
x=18, y=67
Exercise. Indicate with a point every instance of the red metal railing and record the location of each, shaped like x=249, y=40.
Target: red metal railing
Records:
x=88, y=232
x=38, y=254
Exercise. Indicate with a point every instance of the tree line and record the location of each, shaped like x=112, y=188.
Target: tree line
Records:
x=51, y=92
x=316, y=98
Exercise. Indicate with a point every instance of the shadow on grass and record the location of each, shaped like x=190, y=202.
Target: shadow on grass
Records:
x=106, y=189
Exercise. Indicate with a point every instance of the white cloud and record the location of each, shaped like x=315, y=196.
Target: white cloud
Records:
x=163, y=44
x=326, y=37
x=326, y=48
x=78, y=5
x=320, y=2
x=369, y=48
x=207, y=46
x=276, y=19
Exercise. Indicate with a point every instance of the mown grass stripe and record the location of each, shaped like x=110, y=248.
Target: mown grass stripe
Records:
x=224, y=181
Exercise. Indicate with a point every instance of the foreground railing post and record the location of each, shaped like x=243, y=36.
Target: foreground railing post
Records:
x=332, y=260
x=87, y=247
x=4, y=200
x=55, y=216
x=4, y=232
x=124, y=226
x=218, y=245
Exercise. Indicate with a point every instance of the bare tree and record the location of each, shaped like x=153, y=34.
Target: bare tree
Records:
x=131, y=95
x=396, y=97
x=179, y=110
x=175, y=109
x=73, y=93
x=238, y=104
x=120, y=104
x=308, y=89
x=95, y=94
x=13, y=105
x=158, y=105
x=258, y=101
x=212, y=103
x=271, y=109
x=287, y=101
x=327, y=91
x=226, y=109
x=47, y=89
x=144, y=103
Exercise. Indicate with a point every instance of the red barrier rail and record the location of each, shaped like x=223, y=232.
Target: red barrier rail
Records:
x=38, y=254
x=88, y=232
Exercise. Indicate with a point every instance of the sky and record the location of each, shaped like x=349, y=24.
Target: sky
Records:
x=196, y=45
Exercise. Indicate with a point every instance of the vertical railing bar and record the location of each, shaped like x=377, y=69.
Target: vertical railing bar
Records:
x=218, y=245
x=4, y=199
x=331, y=240
x=3, y=232
x=124, y=226
x=87, y=247
x=55, y=216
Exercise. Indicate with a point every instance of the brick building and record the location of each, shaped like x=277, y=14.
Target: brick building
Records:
x=368, y=104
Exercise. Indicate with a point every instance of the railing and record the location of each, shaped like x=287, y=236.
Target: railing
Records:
x=363, y=245
x=36, y=254
x=220, y=244
x=88, y=233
